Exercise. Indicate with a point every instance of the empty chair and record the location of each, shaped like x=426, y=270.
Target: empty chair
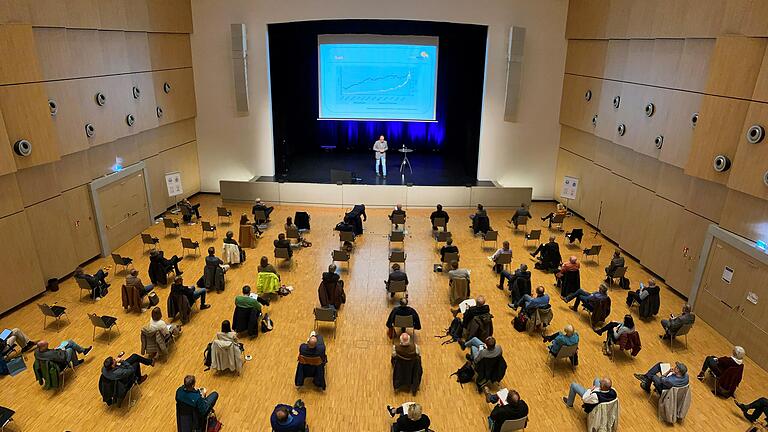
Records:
x=396, y=237
x=617, y=274
x=148, y=240
x=222, y=212
x=533, y=235
x=565, y=352
x=557, y=221
x=187, y=243
x=171, y=224
x=450, y=257
x=325, y=315
x=292, y=233
x=208, y=228
x=682, y=331
x=122, y=261
x=514, y=425
x=575, y=234
x=395, y=287
x=55, y=312
x=491, y=236
x=522, y=221
x=104, y=322
x=441, y=237
x=593, y=251
x=346, y=236
x=397, y=257
x=341, y=256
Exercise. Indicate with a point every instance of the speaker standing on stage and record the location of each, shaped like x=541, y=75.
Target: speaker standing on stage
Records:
x=380, y=147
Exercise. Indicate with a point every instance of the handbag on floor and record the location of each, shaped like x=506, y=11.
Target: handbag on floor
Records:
x=154, y=300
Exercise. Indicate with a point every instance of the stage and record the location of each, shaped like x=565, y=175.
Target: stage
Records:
x=429, y=169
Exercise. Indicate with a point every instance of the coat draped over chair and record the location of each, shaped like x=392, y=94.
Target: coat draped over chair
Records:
x=155, y=341
x=226, y=353
x=649, y=306
x=630, y=342
x=231, y=253
x=213, y=278
x=267, y=283
x=179, y=304
x=604, y=417
x=600, y=311
x=331, y=293
x=246, y=319
x=406, y=373
x=131, y=298
x=674, y=404
x=458, y=290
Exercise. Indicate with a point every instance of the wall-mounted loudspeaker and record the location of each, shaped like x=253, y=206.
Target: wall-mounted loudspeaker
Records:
x=594, y=120
x=514, y=72
x=755, y=134
x=167, y=87
x=136, y=92
x=765, y=178
x=622, y=129
x=89, y=130
x=588, y=95
x=658, y=142
x=721, y=163
x=159, y=112
x=22, y=148
x=130, y=119
x=694, y=119
x=240, y=66
x=617, y=102
x=101, y=99
x=53, y=107
x=650, y=109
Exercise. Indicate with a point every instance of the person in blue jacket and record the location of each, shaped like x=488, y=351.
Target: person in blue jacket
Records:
x=286, y=418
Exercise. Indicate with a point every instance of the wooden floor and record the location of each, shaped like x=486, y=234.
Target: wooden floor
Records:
x=359, y=371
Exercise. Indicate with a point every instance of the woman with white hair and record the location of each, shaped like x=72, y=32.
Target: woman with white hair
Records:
x=560, y=211
x=728, y=371
x=411, y=418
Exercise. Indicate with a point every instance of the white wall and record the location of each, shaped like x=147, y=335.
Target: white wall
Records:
x=234, y=147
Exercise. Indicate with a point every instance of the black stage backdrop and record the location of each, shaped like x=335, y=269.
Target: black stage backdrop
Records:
x=293, y=71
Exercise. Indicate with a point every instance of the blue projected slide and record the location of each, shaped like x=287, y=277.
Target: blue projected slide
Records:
x=378, y=81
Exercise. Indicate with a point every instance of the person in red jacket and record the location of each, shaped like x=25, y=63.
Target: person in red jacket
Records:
x=728, y=370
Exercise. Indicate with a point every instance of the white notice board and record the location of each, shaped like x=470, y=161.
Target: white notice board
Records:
x=173, y=183
x=570, y=186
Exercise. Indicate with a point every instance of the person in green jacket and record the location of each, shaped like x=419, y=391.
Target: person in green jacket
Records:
x=247, y=301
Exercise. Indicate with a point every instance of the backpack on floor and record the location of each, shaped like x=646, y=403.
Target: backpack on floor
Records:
x=214, y=425
x=453, y=331
x=521, y=322
x=154, y=300
x=624, y=283
x=207, y=357
x=465, y=373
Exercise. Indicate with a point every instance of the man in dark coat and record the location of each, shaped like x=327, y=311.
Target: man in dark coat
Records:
x=331, y=289
x=404, y=310
x=513, y=408
x=312, y=360
x=550, y=257
x=438, y=214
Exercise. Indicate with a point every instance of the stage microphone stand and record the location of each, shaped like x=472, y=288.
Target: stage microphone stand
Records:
x=599, y=214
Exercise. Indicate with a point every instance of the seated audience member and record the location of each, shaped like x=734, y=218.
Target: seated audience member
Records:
x=224, y=339
x=259, y=206
x=97, y=282
x=613, y=330
x=550, y=257
x=156, y=323
x=286, y=418
x=458, y=273
x=356, y=216
x=213, y=273
x=480, y=308
x=159, y=266
x=406, y=364
x=588, y=299
x=289, y=224
x=567, y=337
x=331, y=289
x=126, y=370
x=397, y=211
x=504, y=250
x=560, y=211
x=133, y=280
x=448, y=248
x=617, y=262
x=403, y=310
x=283, y=243
x=16, y=338
x=600, y=392
x=479, y=350
x=312, y=360
x=513, y=278
x=513, y=408
x=571, y=265
x=346, y=225
x=248, y=300
x=479, y=212
x=244, y=221
x=411, y=421
x=674, y=323
x=439, y=214
x=521, y=211
x=197, y=398
x=480, y=221
x=62, y=355
x=640, y=294
x=266, y=267
x=192, y=294
x=396, y=275
x=192, y=209
x=676, y=376
x=230, y=239
x=529, y=303
x=728, y=370
x=758, y=407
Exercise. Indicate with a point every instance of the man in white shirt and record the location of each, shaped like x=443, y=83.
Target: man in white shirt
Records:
x=600, y=392
x=505, y=250
x=380, y=147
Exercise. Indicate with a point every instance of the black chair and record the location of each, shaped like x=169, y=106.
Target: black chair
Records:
x=575, y=234
x=224, y=212
x=55, y=312
x=189, y=419
x=122, y=261
x=246, y=320
x=6, y=416
x=147, y=239
x=570, y=283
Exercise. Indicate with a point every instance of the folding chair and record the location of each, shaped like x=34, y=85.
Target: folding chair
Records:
x=566, y=352
x=122, y=261
x=292, y=234
x=106, y=323
x=441, y=237
x=575, y=234
x=208, y=228
x=187, y=243
x=84, y=286
x=147, y=239
x=514, y=425
x=404, y=321
x=346, y=236
x=396, y=237
x=504, y=260
x=341, y=256
x=223, y=212
x=55, y=312
x=325, y=315
x=441, y=223
x=617, y=273
x=171, y=224
x=593, y=251
x=260, y=217
x=522, y=221
x=6, y=416
x=450, y=257
x=397, y=257
x=491, y=236
x=558, y=220
x=398, y=219
x=682, y=331
x=282, y=253
x=395, y=287
x=533, y=235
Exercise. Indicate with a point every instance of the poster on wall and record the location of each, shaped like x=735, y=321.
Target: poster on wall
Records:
x=570, y=187
x=173, y=183
x=727, y=275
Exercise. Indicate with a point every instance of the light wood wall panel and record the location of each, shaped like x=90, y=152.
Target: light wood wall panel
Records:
x=24, y=279
x=137, y=49
x=173, y=51
x=585, y=57
x=184, y=159
x=628, y=114
x=69, y=121
x=53, y=53
x=761, y=85
x=674, y=184
x=578, y=142
x=665, y=60
x=613, y=218
x=48, y=13
x=10, y=196
x=7, y=165
x=166, y=137
x=114, y=51
x=15, y=12
x=706, y=199
x=645, y=171
x=144, y=107
x=668, y=18
x=170, y=16
x=82, y=223
x=689, y=239
x=158, y=199
x=750, y=169
x=82, y=14
x=745, y=215
x=663, y=218
x=735, y=65
x=703, y=18
x=102, y=158
x=639, y=60
x=633, y=233
x=137, y=15
x=693, y=67
x=717, y=132
x=85, y=53
x=616, y=59
x=112, y=15
x=587, y=19
x=618, y=16
x=179, y=103
x=645, y=128
x=37, y=183
x=101, y=117
x=606, y=111
x=746, y=17
x=72, y=170
x=26, y=115
x=678, y=130
x=593, y=180
x=18, y=43
x=641, y=16
x=52, y=237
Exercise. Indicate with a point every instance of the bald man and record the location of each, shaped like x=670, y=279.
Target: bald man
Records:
x=62, y=355
x=397, y=211
x=312, y=360
x=601, y=391
x=567, y=337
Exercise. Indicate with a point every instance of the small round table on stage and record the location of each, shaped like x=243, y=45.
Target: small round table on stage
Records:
x=405, y=150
